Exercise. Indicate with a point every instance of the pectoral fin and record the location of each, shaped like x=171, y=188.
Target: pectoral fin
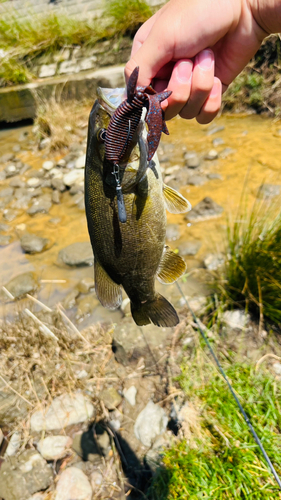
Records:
x=108, y=292
x=171, y=266
x=174, y=201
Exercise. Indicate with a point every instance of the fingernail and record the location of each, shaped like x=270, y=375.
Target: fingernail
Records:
x=184, y=71
x=205, y=59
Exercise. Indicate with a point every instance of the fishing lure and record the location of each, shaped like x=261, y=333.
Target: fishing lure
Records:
x=123, y=125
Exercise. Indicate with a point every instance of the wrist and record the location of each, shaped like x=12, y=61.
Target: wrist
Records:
x=267, y=14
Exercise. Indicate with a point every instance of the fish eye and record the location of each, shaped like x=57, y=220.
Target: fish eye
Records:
x=101, y=135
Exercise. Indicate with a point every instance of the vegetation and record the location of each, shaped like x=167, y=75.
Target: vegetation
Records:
x=25, y=39
x=224, y=463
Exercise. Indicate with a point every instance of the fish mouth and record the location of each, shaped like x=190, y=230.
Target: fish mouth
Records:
x=110, y=99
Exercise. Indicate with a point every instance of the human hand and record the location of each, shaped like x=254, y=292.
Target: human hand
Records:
x=196, y=48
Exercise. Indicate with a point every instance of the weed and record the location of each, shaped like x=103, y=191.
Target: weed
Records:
x=128, y=17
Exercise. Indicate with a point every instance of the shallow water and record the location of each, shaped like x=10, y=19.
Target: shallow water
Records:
x=256, y=159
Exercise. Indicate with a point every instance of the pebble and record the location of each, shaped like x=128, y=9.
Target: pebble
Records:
x=189, y=247
x=197, y=180
x=58, y=184
x=192, y=160
x=86, y=284
x=64, y=410
x=130, y=395
x=17, y=182
x=5, y=240
x=73, y=484
x=11, y=170
x=61, y=163
x=73, y=177
x=16, y=148
x=214, y=129
x=172, y=232
x=77, y=254
x=9, y=214
x=14, y=444
x=86, y=305
x=213, y=261
x=269, y=191
x=7, y=157
x=204, y=210
x=218, y=141
x=214, y=175
x=150, y=423
x=21, y=284
x=226, y=152
x=44, y=143
x=40, y=205
x=48, y=165
x=211, y=155
x=33, y=182
x=277, y=368
x=96, y=480
x=111, y=398
x=236, y=319
x=56, y=197
x=6, y=192
x=54, y=447
x=31, y=243
x=80, y=162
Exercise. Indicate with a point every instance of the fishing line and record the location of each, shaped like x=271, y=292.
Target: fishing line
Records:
x=246, y=418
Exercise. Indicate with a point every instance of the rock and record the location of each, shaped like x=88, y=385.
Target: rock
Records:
x=129, y=344
x=236, y=319
x=73, y=177
x=77, y=254
x=61, y=162
x=10, y=215
x=11, y=170
x=214, y=129
x=226, y=152
x=24, y=475
x=212, y=261
x=7, y=157
x=197, y=180
x=21, y=284
x=189, y=247
x=92, y=444
x=218, y=141
x=172, y=232
x=130, y=395
x=47, y=70
x=64, y=410
x=192, y=160
x=150, y=423
x=204, y=210
x=17, y=182
x=14, y=444
x=56, y=197
x=58, y=184
x=4, y=193
x=2, y=175
x=111, y=398
x=31, y=243
x=33, y=182
x=86, y=284
x=80, y=162
x=56, y=173
x=5, y=240
x=54, y=447
x=73, y=484
x=48, y=165
x=96, y=480
x=211, y=155
x=86, y=305
x=38, y=496
x=214, y=175
x=44, y=143
x=70, y=300
x=41, y=205
x=77, y=188
x=269, y=191
x=277, y=368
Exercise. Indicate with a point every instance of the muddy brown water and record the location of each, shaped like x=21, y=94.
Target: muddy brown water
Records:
x=256, y=157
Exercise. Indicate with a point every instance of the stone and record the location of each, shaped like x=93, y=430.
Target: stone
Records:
x=6, y=192
x=64, y=410
x=86, y=305
x=5, y=240
x=47, y=70
x=269, y=191
x=129, y=343
x=2, y=175
x=44, y=143
x=192, y=160
x=111, y=398
x=92, y=444
x=189, y=247
x=38, y=496
x=211, y=155
x=236, y=319
x=58, y=184
x=31, y=243
x=214, y=175
x=86, y=284
x=17, y=182
x=96, y=480
x=68, y=67
x=130, y=395
x=172, y=232
x=197, y=180
x=40, y=205
x=24, y=475
x=61, y=162
x=73, y=484
x=56, y=197
x=73, y=177
x=16, y=148
x=77, y=188
x=33, y=182
x=150, y=423
x=48, y=165
x=7, y=157
x=218, y=141
x=70, y=299
x=77, y=254
x=21, y=285
x=214, y=129
x=10, y=215
x=204, y=210
x=88, y=63
x=213, y=261
x=4, y=227
x=54, y=447
x=227, y=152
x=277, y=368
x=11, y=170
x=80, y=162
x=14, y=444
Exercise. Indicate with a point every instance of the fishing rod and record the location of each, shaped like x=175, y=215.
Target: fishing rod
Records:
x=246, y=418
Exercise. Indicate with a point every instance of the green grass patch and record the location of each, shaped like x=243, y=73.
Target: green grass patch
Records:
x=225, y=463
x=128, y=17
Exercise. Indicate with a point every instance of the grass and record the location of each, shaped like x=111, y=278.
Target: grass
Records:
x=26, y=39
x=252, y=274
x=225, y=463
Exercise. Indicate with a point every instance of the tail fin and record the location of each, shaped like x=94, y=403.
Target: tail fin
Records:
x=158, y=311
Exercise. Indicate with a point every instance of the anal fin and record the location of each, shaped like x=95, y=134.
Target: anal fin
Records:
x=171, y=266
x=174, y=201
x=108, y=292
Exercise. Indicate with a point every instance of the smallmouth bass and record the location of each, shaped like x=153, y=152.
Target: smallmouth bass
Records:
x=133, y=253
